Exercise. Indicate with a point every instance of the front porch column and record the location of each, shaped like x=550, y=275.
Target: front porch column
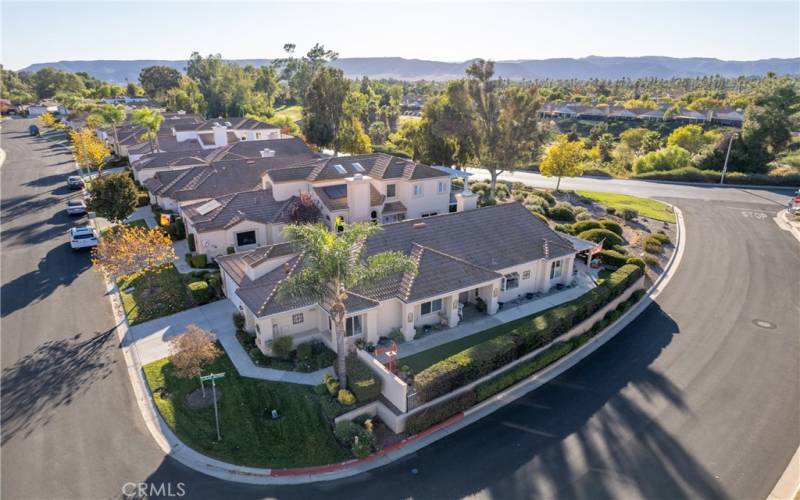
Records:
x=264, y=334
x=407, y=320
x=452, y=311
x=491, y=304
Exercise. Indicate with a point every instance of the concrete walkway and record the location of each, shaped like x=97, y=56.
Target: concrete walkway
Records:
x=437, y=338
x=150, y=340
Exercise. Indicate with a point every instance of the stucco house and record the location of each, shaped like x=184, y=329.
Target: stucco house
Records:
x=469, y=262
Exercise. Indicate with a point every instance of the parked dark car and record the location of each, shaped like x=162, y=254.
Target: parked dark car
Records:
x=75, y=182
x=33, y=130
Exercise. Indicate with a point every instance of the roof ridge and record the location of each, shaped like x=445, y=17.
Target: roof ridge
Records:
x=273, y=293
x=457, y=259
x=407, y=281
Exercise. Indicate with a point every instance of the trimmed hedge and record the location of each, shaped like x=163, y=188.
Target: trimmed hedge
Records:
x=612, y=258
x=609, y=238
x=442, y=411
x=198, y=261
x=200, y=292
x=562, y=214
x=523, y=336
x=438, y=413
x=586, y=225
x=361, y=381
x=653, y=245
x=636, y=261
x=611, y=226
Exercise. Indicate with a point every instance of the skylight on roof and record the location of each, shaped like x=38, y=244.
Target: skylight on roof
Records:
x=358, y=167
x=339, y=168
x=208, y=206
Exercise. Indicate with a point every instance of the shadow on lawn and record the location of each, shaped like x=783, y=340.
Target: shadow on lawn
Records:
x=52, y=376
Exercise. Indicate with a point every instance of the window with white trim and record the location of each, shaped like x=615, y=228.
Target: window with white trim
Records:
x=441, y=187
x=391, y=190
x=526, y=275
x=353, y=326
x=555, y=269
x=428, y=214
x=418, y=190
x=430, y=307
x=297, y=318
x=245, y=238
x=510, y=281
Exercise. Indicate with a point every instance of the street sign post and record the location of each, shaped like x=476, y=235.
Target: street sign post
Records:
x=212, y=377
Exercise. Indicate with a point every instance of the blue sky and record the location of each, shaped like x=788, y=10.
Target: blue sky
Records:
x=446, y=30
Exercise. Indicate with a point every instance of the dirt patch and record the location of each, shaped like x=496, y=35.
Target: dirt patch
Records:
x=195, y=400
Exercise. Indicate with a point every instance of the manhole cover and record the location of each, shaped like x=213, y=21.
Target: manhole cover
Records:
x=762, y=323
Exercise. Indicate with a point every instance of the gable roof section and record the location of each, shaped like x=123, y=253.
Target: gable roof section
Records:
x=378, y=166
x=257, y=206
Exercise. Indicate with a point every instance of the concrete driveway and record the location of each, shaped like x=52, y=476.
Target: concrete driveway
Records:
x=151, y=339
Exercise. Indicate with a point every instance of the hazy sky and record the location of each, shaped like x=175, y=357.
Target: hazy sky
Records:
x=447, y=30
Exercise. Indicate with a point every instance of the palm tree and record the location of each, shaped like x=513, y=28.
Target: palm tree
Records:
x=332, y=265
x=151, y=119
x=110, y=115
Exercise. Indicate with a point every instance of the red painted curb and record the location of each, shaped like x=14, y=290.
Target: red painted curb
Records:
x=321, y=469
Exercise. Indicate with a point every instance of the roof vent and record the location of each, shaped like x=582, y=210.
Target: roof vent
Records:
x=267, y=153
x=420, y=225
x=358, y=176
x=216, y=124
x=228, y=124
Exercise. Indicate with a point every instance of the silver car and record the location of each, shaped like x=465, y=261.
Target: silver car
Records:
x=76, y=207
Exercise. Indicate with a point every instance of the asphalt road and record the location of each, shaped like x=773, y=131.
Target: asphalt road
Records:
x=693, y=399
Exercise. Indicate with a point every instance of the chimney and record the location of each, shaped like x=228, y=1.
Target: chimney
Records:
x=220, y=135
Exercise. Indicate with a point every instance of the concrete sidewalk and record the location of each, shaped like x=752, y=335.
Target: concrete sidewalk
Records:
x=150, y=340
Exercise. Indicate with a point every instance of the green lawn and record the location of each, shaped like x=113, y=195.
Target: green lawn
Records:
x=646, y=207
x=137, y=223
x=301, y=437
x=295, y=113
x=167, y=296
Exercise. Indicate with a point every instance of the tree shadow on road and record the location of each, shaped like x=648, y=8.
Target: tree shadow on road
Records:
x=52, y=376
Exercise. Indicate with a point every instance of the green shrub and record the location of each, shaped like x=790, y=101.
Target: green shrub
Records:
x=651, y=260
x=545, y=196
x=200, y=292
x=612, y=258
x=694, y=174
x=346, y=398
x=636, y=261
x=351, y=435
x=238, y=321
x=620, y=249
x=563, y=214
x=586, y=225
x=215, y=282
x=437, y=413
x=230, y=250
x=331, y=383
x=191, y=243
x=361, y=380
x=142, y=199
x=541, y=217
x=304, y=351
x=282, y=347
x=661, y=237
x=397, y=336
x=653, y=245
x=584, y=216
x=664, y=159
x=611, y=210
x=611, y=226
x=320, y=390
x=199, y=261
x=564, y=228
x=608, y=238
x=630, y=214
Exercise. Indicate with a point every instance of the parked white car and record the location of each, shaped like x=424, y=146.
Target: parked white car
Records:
x=83, y=237
x=76, y=207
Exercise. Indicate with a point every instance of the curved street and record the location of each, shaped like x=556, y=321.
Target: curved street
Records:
x=698, y=397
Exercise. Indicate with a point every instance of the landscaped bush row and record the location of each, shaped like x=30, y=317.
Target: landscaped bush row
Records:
x=440, y=412
x=523, y=337
x=608, y=238
x=694, y=174
x=612, y=258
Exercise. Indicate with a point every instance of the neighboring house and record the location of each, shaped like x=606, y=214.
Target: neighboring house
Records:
x=727, y=116
x=223, y=131
x=237, y=222
x=375, y=187
x=150, y=164
x=686, y=115
x=468, y=261
x=46, y=106
x=131, y=144
x=723, y=116
x=126, y=99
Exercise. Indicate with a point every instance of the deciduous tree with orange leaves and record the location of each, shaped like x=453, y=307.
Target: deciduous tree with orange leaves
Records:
x=192, y=350
x=88, y=149
x=129, y=249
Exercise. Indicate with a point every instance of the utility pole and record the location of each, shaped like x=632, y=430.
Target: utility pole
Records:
x=727, y=155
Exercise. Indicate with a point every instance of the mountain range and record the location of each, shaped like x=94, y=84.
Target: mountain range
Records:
x=527, y=69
